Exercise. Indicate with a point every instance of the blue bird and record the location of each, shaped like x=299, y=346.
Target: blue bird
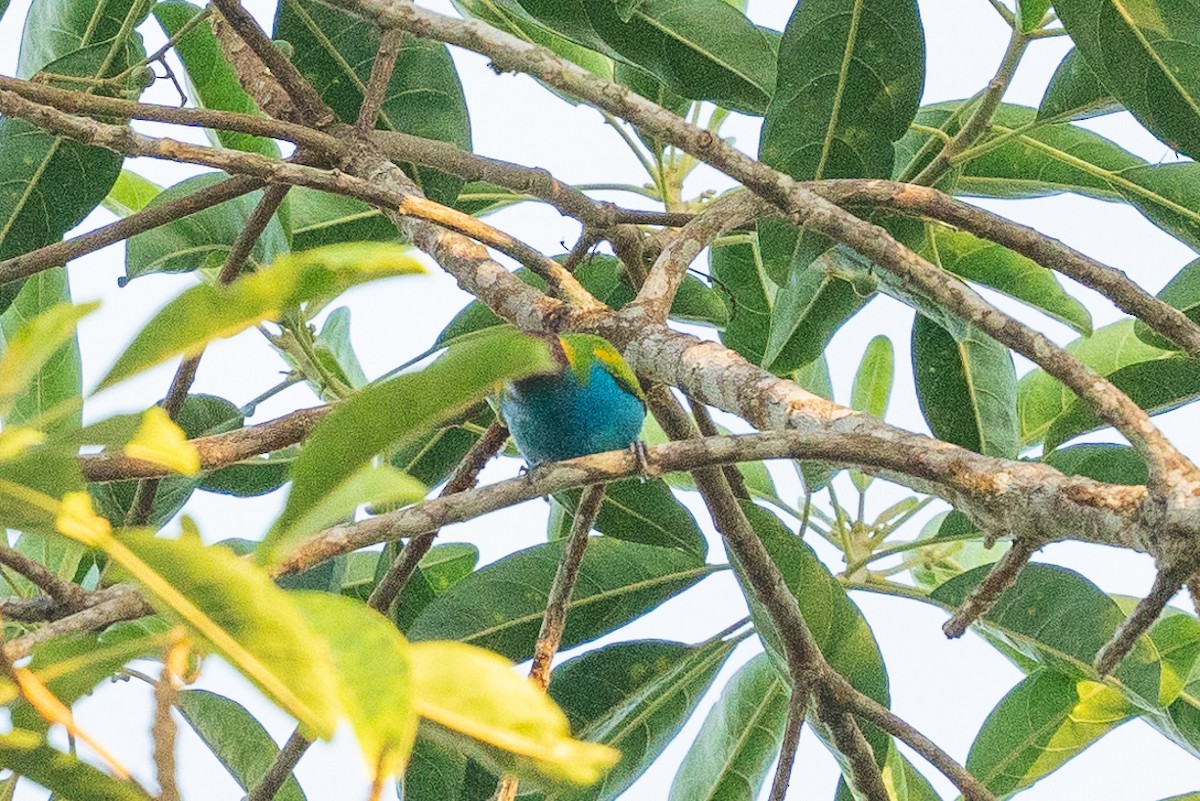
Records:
x=593, y=404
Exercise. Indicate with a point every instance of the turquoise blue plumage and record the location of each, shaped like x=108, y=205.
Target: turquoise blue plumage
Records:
x=593, y=404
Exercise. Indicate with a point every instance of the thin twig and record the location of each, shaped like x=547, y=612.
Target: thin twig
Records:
x=797, y=710
x=555, y=619
x=166, y=691
x=465, y=476
x=67, y=594
x=61, y=252
x=381, y=75
x=285, y=762
x=1138, y=623
x=981, y=599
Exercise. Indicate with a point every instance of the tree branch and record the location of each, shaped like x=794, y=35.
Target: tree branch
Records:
x=381, y=74
x=65, y=594
x=987, y=592
x=797, y=710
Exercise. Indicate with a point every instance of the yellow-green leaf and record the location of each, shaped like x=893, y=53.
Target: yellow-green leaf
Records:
x=160, y=441
x=34, y=344
x=473, y=701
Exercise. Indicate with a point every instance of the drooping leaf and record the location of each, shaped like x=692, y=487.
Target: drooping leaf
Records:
x=739, y=740
x=618, y=582
x=334, y=348
x=1075, y=93
x=1043, y=722
x=738, y=272
x=335, y=50
x=872, y=387
x=203, y=239
x=213, y=311
x=236, y=739
x=474, y=702
x=385, y=415
x=374, y=677
x=967, y=386
x=214, y=83
x=1143, y=53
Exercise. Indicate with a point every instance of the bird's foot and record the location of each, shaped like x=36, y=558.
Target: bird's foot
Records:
x=641, y=456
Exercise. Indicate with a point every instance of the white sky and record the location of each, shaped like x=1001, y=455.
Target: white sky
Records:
x=944, y=688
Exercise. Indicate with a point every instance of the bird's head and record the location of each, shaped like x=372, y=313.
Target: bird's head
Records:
x=581, y=352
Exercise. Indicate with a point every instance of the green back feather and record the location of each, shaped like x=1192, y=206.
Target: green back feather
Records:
x=584, y=350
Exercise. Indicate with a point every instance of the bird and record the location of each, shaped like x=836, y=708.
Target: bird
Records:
x=592, y=404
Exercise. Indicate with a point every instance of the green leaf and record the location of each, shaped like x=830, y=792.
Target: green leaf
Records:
x=872, y=387
x=1112, y=464
x=255, y=476
x=501, y=606
x=47, y=470
x=939, y=561
x=1005, y=271
x=68, y=778
x=65, y=38
x=374, y=677
x=1041, y=399
x=739, y=739
x=850, y=79
x=335, y=50
x=967, y=386
x=130, y=193
x=214, y=83
x=738, y=273
x=1039, y=617
x=337, y=352
x=1030, y=13
x=1158, y=386
x=214, y=311
x=238, y=611
x=1075, y=93
x=1182, y=292
x=386, y=415
x=203, y=239
x=701, y=49
x=318, y=218
x=634, y=697
x=642, y=511
x=810, y=308
x=439, y=570
x=1143, y=52
x=841, y=631
x=1042, y=723
x=29, y=351
x=474, y=702
x=236, y=739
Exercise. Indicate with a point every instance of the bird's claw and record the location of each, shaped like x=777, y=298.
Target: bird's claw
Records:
x=641, y=456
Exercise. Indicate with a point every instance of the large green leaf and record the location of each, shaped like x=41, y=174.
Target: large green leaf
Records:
x=739, y=740
x=214, y=83
x=816, y=300
x=840, y=630
x=642, y=511
x=335, y=50
x=319, y=218
x=967, y=386
x=738, y=272
x=1158, y=386
x=214, y=311
x=634, y=697
x=52, y=378
x=1003, y=270
x=501, y=606
x=388, y=415
x=1075, y=93
x=1060, y=620
x=1042, y=723
x=236, y=739
x=64, y=38
x=1112, y=464
x=1144, y=52
x=1041, y=398
x=70, y=779
x=203, y=239
x=850, y=79
x=238, y=611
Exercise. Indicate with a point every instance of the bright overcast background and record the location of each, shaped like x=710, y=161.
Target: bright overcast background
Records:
x=944, y=688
